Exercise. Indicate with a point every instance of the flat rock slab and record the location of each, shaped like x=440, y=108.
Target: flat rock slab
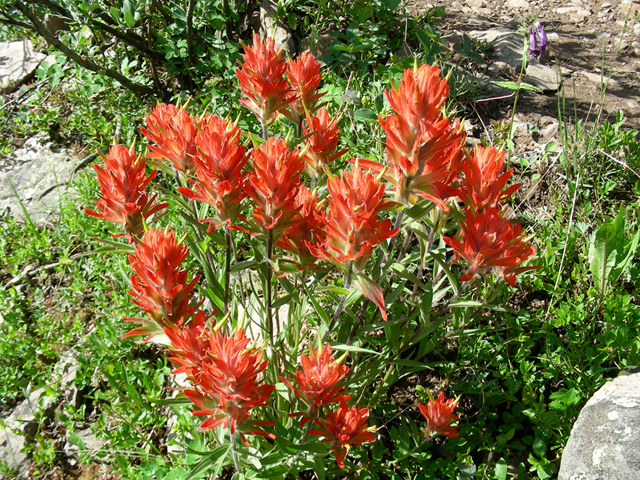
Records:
x=18, y=62
x=39, y=173
x=605, y=440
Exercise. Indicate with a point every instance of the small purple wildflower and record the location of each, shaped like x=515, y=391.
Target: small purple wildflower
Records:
x=538, y=42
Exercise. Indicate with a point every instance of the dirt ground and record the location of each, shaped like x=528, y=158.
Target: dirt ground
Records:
x=587, y=37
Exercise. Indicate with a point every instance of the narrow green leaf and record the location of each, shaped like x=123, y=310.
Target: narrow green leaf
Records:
x=351, y=348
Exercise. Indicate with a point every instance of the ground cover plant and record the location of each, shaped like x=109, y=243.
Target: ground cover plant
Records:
x=273, y=290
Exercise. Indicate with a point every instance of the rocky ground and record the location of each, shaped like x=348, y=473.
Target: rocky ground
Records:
x=591, y=42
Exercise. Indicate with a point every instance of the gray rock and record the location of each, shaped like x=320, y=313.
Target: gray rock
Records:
x=275, y=29
x=84, y=441
x=636, y=48
x=38, y=174
x=518, y=4
x=543, y=77
x=605, y=440
x=11, y=445
x=20, y=427
x=598, y=79
x=18, y=63
x=66, y=371
x=320, y=48
x=507, y=44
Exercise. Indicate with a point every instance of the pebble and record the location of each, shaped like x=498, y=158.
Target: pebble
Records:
x=636, y=48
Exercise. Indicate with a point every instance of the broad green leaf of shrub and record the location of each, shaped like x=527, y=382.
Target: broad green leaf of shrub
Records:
x=610, y=252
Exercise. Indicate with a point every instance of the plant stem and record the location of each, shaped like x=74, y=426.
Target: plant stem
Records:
x=269, y=293
x=336, y=315
x=297, y=455
x=417, y=447
x=523, y=70
x=265, y=132
x=227, y=272
x=234, y=452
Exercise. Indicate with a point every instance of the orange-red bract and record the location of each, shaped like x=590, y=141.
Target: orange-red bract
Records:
x=227, y=383
x=352, y=225
x=440, y=416
x=273, y=186
x=322, y=143
x=483, y=183
x=160, y=284
x=343, y=428
x=174, y=132
x=218, y=166
x=423, y=148
x=304, y=77
x=490, y=241
x=262, y=79
x=305, y=230
x=318, y=381
x=123, y=184
x=353, y=228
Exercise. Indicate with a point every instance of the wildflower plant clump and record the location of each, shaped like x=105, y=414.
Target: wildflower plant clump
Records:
x=259, y=222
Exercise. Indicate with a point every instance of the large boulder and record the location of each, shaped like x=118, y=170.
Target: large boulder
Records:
x=605, y=440
x=34, y=176
x=18, y=62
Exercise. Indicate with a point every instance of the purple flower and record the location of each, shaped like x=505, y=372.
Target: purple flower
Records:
x=538, y=42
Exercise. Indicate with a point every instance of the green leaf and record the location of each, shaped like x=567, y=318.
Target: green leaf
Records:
x=351, y=348
x=371, y=290
x=206, y=463
x=539, y=447
x=365, y=115
x=128, y=18
x=606, y=247
x=501, y=469
x=515, y=86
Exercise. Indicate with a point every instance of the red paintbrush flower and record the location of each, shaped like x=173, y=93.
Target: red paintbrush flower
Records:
x=174, y=132
x=490, y=241
x=440, y=416
x=123, y=184
x=343, y=428
x=305, y=230
x=227, y=386
x=322, y=143
x=318, y=381
x=273, y=186
x=304, y=77
x=159, y=285
x=483, y=184
x=353, y=228
x=262, y=79
x=423, y=148
x=218, y=166
x=188, y=346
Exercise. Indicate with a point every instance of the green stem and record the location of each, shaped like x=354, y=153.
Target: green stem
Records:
x=417, y=447
x=297, y=455
x=523, y=70
x=234, y=452
x=269, y=293
x=265, y=132
x=227, y=272
x=336, y=315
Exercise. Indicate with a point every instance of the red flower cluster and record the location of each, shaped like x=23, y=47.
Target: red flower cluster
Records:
x=174, y=132
x=318, y=388
x=123, y=184
x=483, y=184
x=160, y=285
x=440, y=416
x=218, y=165
x=262, y=79
x=322, y=144
x=318, y=382
x=490, y=241
x=224, y=371
x=304, y=78
x=352, y=225
x=343, y=428
x=273, y=186
x=423, y=148
x=304, y=231
x=353, y=228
